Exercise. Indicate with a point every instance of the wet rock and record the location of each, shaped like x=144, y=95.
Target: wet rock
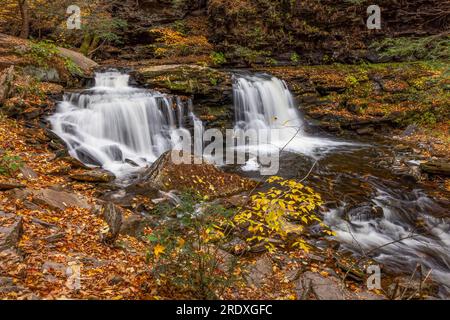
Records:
x=402, y=148
x=114, y=152
x=135, y=225
x=436, y=168
x=86, y=157
x=97, y=175
x=364, y=212
x=11, y=230
x=131, y=163
x=59, y=200
x=112, y=214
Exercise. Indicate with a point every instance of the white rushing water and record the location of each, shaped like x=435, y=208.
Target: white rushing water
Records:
x=403, y=236
x=265, y=103
x=116, y=126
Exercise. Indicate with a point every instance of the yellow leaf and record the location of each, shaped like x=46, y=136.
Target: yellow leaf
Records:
x=158, y=249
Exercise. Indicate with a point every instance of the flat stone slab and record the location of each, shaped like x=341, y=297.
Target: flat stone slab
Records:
x=60, y=200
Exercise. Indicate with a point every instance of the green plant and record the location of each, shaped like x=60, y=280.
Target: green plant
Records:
x=295, y=58
x=44, y=52
x=184, y=251
x=218, y=58
x=426, y=48
x=9, y=164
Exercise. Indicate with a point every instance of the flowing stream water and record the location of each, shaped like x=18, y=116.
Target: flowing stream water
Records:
x=122, y=129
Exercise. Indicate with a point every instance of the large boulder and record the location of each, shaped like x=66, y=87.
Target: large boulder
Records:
x=59, y=200
x=205, y=179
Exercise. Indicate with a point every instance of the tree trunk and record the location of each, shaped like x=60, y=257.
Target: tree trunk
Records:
x=25, y=30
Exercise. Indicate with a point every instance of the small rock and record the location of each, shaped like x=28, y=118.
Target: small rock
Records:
x=55, y=237
x=28, y=173
x=11, y=230
x=112, y=214
x=237, y=246
x=97, y=175
x=135, y=225
x=410, y=130
x=365, y=131
x=114, y=280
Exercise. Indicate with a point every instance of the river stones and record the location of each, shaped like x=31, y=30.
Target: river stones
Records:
x=364, y=212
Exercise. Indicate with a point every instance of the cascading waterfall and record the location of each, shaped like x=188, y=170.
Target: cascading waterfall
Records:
x=263, y=102
x=119, y=127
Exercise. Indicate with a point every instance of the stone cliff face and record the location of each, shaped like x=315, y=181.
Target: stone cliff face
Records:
x=252, y=32
x=321, y=30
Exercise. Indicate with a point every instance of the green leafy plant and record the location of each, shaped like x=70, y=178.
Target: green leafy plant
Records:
x=426, y=48
x=184, y=251
x=295, y=58
x=218, y=58
x=9, y=164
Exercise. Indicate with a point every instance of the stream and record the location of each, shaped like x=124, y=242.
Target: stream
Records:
x=373, y=211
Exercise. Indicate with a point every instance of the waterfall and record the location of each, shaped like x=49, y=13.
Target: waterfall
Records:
x=263, y=102
x=116, y=126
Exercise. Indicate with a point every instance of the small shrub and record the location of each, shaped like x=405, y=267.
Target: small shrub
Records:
x=271, y=214
x=295, y=58
x=184, y=250
x=9, y=164
x=218, y=58
x=426, y=48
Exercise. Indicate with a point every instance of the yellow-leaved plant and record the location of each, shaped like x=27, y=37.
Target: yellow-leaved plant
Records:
x=281, y=213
